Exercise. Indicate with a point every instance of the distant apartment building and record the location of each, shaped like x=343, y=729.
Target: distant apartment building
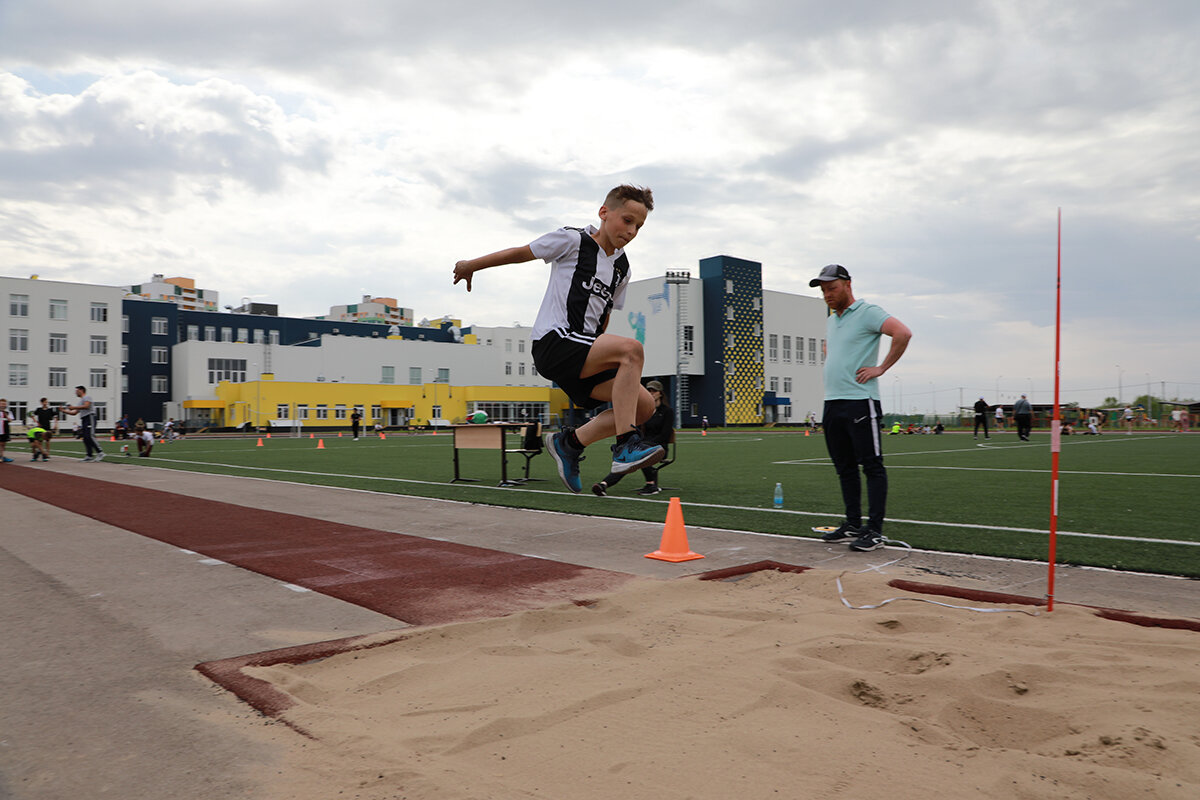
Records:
x=180, y=291
x=379, y=310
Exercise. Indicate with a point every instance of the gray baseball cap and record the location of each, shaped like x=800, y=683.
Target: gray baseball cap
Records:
x=833, y=272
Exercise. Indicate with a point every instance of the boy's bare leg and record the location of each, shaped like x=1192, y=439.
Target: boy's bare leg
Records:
x=632, y=404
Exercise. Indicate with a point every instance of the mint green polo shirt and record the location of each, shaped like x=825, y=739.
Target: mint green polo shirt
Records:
x=851, y=342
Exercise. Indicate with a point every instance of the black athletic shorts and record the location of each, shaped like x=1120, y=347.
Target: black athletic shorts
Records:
x=561, y=361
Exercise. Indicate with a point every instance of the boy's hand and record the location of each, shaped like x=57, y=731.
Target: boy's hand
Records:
x=463, y=272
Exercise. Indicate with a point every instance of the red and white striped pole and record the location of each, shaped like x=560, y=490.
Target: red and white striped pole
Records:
x=1055, y=425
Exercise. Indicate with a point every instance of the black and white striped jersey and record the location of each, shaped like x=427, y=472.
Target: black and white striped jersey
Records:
x=585, y=284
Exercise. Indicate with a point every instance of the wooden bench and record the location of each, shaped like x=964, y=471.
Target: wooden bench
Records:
x=490, y=436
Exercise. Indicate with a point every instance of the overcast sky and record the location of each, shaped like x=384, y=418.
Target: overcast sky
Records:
x=306, y=153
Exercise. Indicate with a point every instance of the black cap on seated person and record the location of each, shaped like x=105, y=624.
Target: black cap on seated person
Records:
x=832, y=272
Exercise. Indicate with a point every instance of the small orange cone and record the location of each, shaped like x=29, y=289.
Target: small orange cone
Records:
x=268, y=435
x=382, y=435
x=674, y=546
x=112, y=438
x=312, y=436
x=806, y=433
x=704, y=433
x=260, y=444
x=320, y=444
x=339, y=434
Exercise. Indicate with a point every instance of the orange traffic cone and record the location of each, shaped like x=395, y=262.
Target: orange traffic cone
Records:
x=320, y=444
x=339, y=434
x=704, y=433
x=382, y=435
x=260, y=444
x=312, y=436
x=112, y=438
x=806, y=433
x=674, y=546
x=268, y=435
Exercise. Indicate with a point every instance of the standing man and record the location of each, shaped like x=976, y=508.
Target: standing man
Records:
x=981, y=412
x=1023, y=414
x=852, y=408
x=87, y=424
x=6, y=419
x=355, y=422
x=1127, y=414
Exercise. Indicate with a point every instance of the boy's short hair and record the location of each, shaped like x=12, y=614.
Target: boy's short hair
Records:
x=626, y=192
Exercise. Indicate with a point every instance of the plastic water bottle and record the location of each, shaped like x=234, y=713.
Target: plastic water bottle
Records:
x=779, y=495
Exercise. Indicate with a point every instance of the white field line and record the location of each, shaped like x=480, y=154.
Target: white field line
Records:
x=826, y=515
x=1004, y=469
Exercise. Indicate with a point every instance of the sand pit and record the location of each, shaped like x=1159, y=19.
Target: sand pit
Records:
x=763, y=687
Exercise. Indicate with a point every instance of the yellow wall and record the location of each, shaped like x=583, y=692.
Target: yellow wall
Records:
x=241, y=400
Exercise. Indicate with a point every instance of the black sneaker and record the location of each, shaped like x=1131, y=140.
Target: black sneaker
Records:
x=870, y=540
x=844, y=533
x=600, y=489
x=649, y=488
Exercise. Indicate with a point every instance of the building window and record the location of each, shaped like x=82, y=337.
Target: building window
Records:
x=377, y=412
x=281, y=411
x=322, y=411
x=58, y=343
x=227, y=335
x=729, y=342
x=226, y=369
x=243, y=334
x=387, y=375
x=437, y=412
x=158, y=326
x=301, y=411
x=822, y=351
x=273, y=337
x=99, y=312
x=158, y=355
x=101, y=410
x=19, y=409
x=18, y=305
x=689, y=339
x=158, y=384
x=18, y=374
x=58, y=309
x=508, y=368
x=124, y=383
x=414, y=376
x=210, y=333
x=193, y=333
x=787, y=385
x=260, y=336
x=812, y=351
x=339, y=411
x=773, y=347
x=521, y=368
x=774, y=384
x=124, y=354
x=787, y=349
x=124, y=323
x=508, y=345
x=18, y=339
x=58, y=377
x=443, y=375
x=728, y=286
x=98, y=378
x=99, y=345
x=729, y=312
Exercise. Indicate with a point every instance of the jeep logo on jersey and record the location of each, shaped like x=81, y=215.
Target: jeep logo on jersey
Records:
x=596, y=287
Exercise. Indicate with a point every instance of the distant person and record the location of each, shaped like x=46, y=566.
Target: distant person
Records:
x=37, y=443
x=704, y=424
x=852, y=407
x=895, y=429
x=658, y=430
x=47, y=419
x=981, y=415
x=939, y=429
x=355, y=423
x=1000, y=418
x=6, y=420
x=1177, y=420
x=1023, y=415
x=1127, y=416
x=145, y=443
x=588, y=279
x=87, y=424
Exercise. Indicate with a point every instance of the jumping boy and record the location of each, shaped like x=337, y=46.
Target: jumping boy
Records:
x=588, y=277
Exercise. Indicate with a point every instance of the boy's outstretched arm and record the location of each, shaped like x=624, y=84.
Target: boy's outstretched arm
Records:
x=463, y=270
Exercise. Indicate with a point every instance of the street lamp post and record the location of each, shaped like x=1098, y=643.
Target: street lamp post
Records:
x=679, y=279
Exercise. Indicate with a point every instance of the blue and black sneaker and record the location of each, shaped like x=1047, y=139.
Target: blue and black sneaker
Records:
x=634, y=453
x=566, y=457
